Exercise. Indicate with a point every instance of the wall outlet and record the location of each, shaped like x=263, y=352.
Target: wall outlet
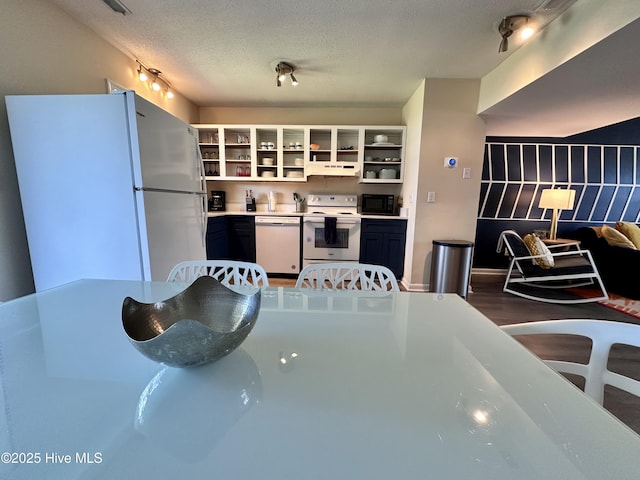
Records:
x=450, y=162
x=431, y=197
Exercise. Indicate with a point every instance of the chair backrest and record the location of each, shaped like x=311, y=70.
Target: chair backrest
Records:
x=227, y=272
x=515, y=247
x=603, y=335
x=347, y=276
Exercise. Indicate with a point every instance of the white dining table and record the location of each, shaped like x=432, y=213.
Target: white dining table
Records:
x=328, y=385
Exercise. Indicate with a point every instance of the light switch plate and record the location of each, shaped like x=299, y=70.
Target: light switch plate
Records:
x=466, y=172
x=431, y=197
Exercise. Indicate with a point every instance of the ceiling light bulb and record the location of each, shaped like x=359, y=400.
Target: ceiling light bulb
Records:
x=294, y=81
x=526, y=32
x=155, y=85
x=169, y=94
x=141, y=75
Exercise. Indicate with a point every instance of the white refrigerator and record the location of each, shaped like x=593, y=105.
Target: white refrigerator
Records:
x=111, y=186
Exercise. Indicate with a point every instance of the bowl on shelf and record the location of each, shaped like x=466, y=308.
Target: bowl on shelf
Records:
x=380, y=139
x=267, y=174
x=387, y=173
x=314, y=146
x=267, y=161
x=294, y=174
x=370, y=174
x=298, y=162
x=201, y=324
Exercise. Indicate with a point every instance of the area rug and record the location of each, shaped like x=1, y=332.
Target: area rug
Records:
x=622, y=304
x=617, y=302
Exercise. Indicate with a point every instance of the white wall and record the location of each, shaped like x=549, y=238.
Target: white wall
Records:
x=412, y=115
x=450, y=127
x=44, y=51
x=303, y=116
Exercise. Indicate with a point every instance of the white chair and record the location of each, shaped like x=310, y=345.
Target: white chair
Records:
x=227, y=272
x=603, y=335
x=347, y=276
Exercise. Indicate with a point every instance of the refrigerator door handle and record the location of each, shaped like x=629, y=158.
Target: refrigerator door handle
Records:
x=204, y=220
x=203, y=186
x=203, y=180
x=168, y=190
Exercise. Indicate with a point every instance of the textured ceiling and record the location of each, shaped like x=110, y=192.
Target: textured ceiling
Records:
x=347, y=52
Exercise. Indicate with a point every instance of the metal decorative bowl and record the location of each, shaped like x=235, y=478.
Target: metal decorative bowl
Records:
x=201, y=324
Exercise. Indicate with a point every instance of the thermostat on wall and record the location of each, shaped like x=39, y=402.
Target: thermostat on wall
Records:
x=450, y=162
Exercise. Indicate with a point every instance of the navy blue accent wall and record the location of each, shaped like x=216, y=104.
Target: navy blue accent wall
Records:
x=602, y=166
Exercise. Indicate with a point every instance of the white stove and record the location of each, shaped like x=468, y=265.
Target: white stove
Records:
x=328, y=204
x=331, y=229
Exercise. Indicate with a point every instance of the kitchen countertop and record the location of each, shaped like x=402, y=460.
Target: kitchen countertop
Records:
x=283, y=213
x=289, y=213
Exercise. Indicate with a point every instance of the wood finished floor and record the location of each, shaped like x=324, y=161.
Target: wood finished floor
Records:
x=503, y=308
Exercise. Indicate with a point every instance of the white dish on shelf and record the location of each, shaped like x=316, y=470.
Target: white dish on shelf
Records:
x=267, y=161
x=298, y=162
x=387, y=173
x=383, y=144
x=267, y=174
x=294, y=174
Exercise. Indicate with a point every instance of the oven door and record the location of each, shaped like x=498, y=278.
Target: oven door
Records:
x=345, y=247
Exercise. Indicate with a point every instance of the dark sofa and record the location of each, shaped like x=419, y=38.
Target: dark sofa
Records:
x=618, y=266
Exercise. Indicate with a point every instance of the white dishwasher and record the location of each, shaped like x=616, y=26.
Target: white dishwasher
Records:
x=278, y=244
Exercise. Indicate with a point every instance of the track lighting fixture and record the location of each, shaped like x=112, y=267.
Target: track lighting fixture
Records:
x=282, y=70
x=117, y=6
x=158, y=83
x=511, y=24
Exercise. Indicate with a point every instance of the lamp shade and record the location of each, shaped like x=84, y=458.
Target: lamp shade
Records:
x=561, y=199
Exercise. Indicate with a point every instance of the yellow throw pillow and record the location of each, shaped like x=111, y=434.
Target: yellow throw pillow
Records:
x=615, y=238
x=537, y=247
x=631, y=231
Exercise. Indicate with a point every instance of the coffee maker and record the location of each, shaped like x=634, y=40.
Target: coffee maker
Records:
x=217, y=201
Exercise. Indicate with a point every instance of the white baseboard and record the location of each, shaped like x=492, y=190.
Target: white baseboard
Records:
x=424, y=287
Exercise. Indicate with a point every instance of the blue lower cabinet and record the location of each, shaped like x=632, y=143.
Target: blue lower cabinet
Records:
x=382, y=242
x=217, y=238
x=241, y=238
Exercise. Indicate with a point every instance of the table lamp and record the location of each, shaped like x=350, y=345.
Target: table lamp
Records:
x=556, y=199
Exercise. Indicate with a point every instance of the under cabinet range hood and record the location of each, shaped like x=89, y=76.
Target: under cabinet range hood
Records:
x=332, y=169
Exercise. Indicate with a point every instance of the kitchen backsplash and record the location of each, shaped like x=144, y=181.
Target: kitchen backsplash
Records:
x=235, y=191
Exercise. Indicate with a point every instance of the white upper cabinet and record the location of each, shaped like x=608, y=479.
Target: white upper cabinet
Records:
x=294, y=152
x=383, y=154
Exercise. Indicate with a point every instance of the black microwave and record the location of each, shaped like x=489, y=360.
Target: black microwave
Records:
x=377, y=204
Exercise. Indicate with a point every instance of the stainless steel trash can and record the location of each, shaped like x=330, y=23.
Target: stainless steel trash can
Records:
x=451, y=267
